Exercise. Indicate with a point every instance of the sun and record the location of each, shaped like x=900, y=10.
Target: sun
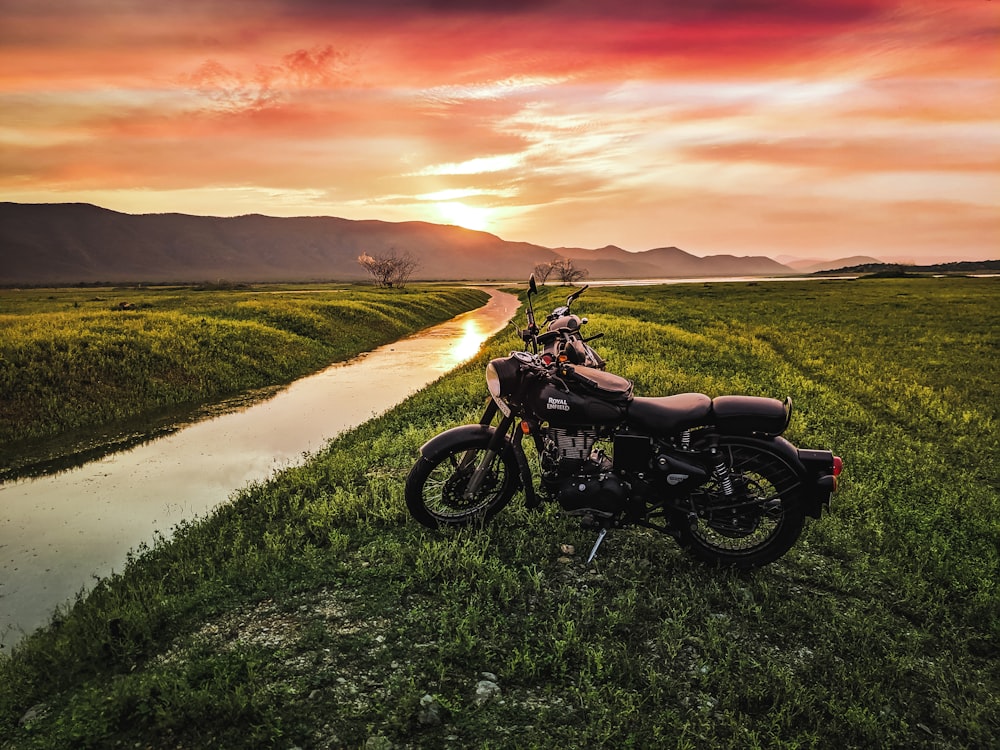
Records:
x=470, y=217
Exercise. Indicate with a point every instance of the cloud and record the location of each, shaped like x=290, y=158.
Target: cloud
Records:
x=819, y=11
x=849, y=154
x=268, y=85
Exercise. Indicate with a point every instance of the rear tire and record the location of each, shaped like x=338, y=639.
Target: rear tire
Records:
x=767, y=521
x=435, y=487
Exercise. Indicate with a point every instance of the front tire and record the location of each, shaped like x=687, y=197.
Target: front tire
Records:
x=436, y=488
x=757, y=524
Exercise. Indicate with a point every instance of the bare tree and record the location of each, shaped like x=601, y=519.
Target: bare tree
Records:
x=567, y=272
x=403, y=267
x=390, y=270
x=376, y=267
x=542, y=272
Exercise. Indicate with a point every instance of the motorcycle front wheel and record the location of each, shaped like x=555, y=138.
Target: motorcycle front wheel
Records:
x=437, y=488
x=758, y=522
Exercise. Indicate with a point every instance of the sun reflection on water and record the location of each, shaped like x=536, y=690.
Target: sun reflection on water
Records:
x=467, y=346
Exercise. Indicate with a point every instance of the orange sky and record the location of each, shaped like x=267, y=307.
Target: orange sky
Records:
x=811, y=128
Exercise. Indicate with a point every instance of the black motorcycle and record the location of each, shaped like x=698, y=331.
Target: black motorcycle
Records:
x=713, y=473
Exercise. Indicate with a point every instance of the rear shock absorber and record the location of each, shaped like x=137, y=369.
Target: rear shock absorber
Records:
x=721, y=473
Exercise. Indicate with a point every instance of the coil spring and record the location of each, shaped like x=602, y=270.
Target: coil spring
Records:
x=722, y=476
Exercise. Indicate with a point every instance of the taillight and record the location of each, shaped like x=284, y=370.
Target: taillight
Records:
x=838, y=465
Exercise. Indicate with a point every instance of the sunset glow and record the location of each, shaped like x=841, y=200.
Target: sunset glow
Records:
x=462, y=215
x=806, y=128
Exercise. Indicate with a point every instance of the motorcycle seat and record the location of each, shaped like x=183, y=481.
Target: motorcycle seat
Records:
x=748, y=415
x=666, y=414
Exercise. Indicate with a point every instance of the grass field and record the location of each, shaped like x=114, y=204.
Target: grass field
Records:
x=72, y=360
x=310, y=612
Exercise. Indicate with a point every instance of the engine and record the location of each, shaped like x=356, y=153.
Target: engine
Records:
x=567, y=444
x=577, y=475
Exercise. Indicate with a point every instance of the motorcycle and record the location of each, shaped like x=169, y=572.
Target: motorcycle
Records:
x=713, y=473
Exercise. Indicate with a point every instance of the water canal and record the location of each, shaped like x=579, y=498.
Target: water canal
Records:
x=57, y=533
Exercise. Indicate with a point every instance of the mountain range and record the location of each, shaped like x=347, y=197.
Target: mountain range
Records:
x=62, y=243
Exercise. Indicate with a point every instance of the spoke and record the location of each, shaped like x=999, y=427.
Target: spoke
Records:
x=748, y=526
x=445, y=485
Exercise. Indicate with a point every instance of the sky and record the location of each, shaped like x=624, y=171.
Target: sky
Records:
x=789, y=128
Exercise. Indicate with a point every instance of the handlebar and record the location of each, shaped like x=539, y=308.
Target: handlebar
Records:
x=577, y=293
x=530, y=335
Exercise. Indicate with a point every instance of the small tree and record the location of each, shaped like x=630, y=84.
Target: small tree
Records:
x=567, y=272
x=542, y=272
x=391, y=270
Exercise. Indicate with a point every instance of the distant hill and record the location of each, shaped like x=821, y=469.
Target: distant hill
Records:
x=82, y=243
x=665, y=262
x=962, y=266
x=814, y=266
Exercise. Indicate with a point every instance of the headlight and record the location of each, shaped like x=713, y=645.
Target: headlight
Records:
x=493, y=380
x=501, y=375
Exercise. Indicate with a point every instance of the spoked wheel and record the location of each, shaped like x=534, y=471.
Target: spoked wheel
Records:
x=439, y=489
x=754, y=525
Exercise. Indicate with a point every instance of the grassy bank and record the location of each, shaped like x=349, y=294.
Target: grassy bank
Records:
x=310, y=612
x=85, y=358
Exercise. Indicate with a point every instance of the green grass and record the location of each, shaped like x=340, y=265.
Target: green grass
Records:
x=311, y=612
x=72, y=359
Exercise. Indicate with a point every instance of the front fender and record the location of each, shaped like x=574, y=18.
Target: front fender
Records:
x=442, y=443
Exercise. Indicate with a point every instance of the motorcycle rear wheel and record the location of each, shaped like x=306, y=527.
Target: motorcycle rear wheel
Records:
x=768, y=516
x=436, y=486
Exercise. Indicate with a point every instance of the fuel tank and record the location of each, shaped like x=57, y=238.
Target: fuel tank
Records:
x=567, y=408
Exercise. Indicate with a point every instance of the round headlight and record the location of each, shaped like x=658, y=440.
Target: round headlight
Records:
x=493, y=381
x=501, y=379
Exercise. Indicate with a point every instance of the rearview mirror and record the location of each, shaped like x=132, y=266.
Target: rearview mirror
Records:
x=532, y=287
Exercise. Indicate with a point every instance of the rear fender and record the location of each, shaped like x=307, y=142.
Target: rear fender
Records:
x=813, y=467
x=816, y=470
x=818, y=465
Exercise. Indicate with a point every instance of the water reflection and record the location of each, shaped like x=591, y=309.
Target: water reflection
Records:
x=57, y=532
x=466, y=347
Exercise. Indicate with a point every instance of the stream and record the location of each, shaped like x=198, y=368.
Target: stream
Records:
x=59, y=533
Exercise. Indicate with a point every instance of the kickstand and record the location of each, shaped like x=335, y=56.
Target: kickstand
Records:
x=600, y=538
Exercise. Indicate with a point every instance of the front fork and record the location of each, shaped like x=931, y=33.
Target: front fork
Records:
x=493, y=450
